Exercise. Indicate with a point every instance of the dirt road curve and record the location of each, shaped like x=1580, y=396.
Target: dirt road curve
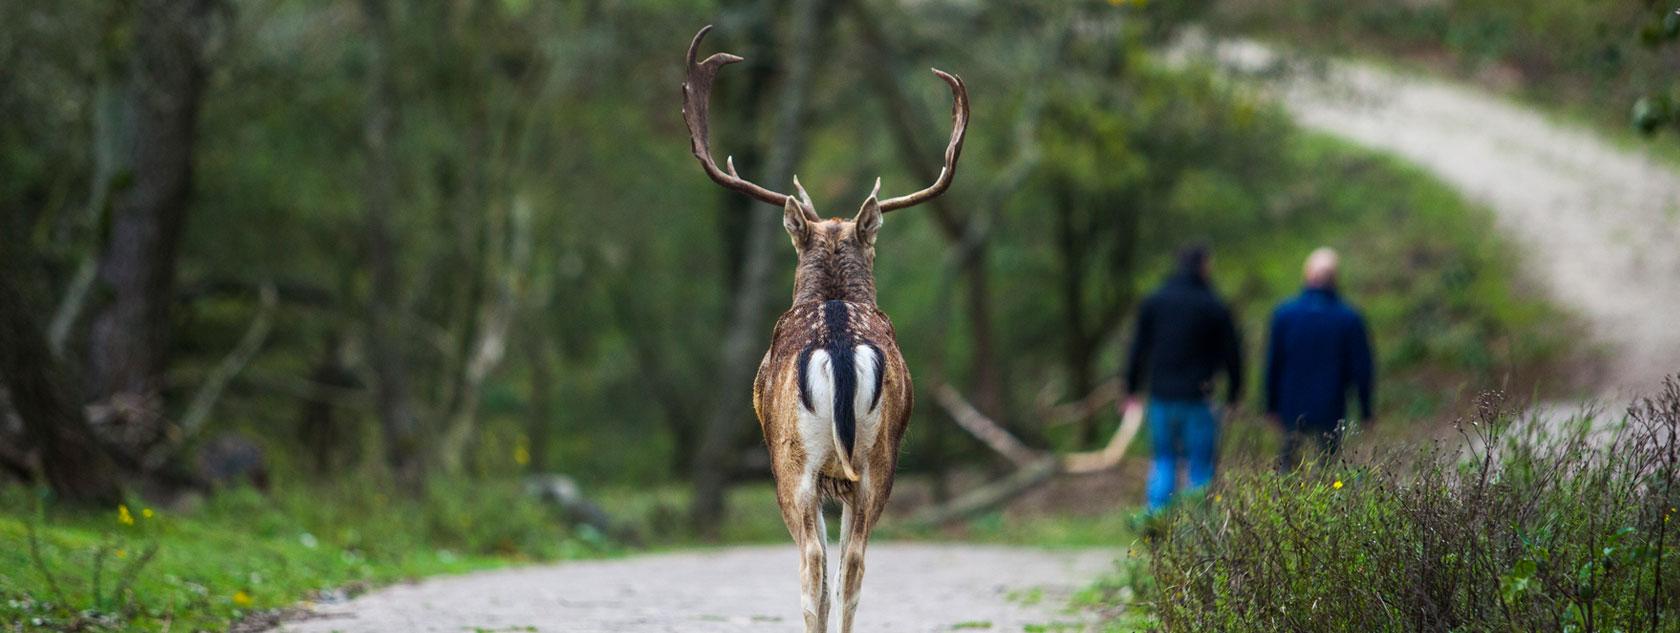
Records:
x=1599, y=224
x=908, y=588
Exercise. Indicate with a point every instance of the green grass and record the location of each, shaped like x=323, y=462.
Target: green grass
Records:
x=241, y=554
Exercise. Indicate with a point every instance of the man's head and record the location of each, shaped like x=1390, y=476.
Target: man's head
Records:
x=1195, y=259
x=1320, y=269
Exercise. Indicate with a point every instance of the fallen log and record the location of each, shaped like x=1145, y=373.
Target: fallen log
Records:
x=989, y=496
x=988, y=431
x=1034, y=467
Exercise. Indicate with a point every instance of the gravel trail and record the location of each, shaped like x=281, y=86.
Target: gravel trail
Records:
x=909, y=587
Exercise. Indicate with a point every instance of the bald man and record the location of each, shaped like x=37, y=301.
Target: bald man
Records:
x=1318, y=352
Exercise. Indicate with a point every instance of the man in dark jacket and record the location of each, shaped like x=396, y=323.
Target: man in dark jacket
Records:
x=1185, y=336
x=1319, y=349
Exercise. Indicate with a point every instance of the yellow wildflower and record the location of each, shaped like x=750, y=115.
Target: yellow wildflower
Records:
x=123, y=516
x=122, y=553
x=147, y=513
x=241, y=598
x=521, y=455
x=1337, y=485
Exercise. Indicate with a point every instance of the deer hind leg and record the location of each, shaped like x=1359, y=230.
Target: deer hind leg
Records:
x=857, y=518
x=805, y=522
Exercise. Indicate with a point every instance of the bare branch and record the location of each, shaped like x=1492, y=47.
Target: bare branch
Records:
x=204, y=400
x=1085, y=407
x=1033, y=466
x=982, y=427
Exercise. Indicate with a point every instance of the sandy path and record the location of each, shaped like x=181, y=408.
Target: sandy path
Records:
x=1599, y=224
x=908, y=588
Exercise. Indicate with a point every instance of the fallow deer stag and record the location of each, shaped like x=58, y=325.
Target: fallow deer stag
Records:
x=833, y=393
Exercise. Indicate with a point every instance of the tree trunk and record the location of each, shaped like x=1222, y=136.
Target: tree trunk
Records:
x=746, y=326
x=660, y=370
x=398, y=419
x=905, y=121
x=129, y=341
x=749, y=93
x=539, y=412
x=1072, y=243
x=74, y=463
x=508, y=260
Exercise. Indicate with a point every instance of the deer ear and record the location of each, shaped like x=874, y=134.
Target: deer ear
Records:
x=868, y=221
x=794, y=220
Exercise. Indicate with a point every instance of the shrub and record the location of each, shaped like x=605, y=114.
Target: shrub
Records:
x=1539, y=524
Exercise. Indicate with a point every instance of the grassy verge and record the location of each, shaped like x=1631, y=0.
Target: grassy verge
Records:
x=241, y=555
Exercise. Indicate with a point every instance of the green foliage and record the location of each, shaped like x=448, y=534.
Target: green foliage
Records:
x=1544, y=525
x=1122, y=595
x=565, y=110
x=241, y=554
x=1660, y=108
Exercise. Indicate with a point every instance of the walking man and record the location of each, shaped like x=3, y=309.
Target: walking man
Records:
x=1319, y=350
x=1185, y=336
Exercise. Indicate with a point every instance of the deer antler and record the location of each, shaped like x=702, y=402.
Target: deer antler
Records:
x=959, y=126
x=697, y=95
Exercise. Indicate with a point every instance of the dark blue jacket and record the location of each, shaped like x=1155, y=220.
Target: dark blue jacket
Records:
x=1185, y=336
x=1319, y=349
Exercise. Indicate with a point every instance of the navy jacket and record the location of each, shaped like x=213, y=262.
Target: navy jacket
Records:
x=1184, y=336
x=1319, y=349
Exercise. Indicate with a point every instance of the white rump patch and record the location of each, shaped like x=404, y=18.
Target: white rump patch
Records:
x=867, y=363
x=816, y=426
x=819, y=383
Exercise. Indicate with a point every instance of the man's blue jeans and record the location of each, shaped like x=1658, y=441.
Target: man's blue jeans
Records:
x=1175, y=426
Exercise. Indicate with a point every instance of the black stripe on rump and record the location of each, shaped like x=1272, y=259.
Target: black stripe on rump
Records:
x=838, y=341
x=839, y=348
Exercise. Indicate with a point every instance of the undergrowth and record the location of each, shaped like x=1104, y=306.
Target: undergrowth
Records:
x=243, y=556
x=1535, y=524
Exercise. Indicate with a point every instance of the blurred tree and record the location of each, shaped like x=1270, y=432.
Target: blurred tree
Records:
x=906, y=121
x=749, y=303
x=129, y=343
x=41, y=390
x=386, y=331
